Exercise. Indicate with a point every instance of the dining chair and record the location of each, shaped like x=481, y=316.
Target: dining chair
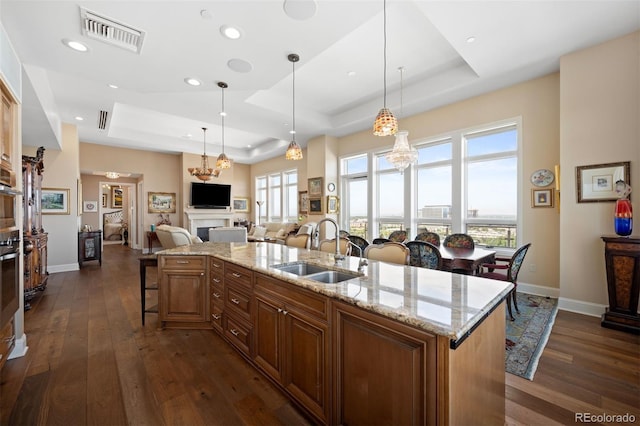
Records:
x=380, y=240
x=388, y=252
x=512, y=267
x=424, y=255
x=344, y=234
x=298, y=240
x=398, y=236
x=359, y=241
x=430, y=237
x=329, y=246
x=459, y=241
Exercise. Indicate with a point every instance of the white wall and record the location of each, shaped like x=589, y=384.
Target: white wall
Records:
x=600, y=123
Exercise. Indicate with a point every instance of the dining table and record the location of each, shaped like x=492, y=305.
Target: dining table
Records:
x=465, y=260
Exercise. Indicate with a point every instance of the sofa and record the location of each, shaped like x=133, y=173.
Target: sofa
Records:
x=277, y=231
x=174, y=236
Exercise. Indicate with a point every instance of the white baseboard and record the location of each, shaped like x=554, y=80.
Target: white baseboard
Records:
x=52, y=269
x=20, y=349
x=564, y=304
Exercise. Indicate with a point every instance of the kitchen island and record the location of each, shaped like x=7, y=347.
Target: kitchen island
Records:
x=391, y=344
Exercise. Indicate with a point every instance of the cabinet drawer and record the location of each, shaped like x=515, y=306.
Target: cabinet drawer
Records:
x=216, y=270
x=237, y=274
x=238, y=334
x=295, y=297
x=216, y=318
x=217, y=296
x=238, y=301
x=183, y=262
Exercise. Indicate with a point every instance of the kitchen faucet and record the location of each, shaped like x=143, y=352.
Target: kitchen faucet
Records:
x=362, y=262
x=338, y=256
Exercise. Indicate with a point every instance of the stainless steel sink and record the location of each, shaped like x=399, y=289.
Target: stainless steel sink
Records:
x=331, y=277
x=300, y=268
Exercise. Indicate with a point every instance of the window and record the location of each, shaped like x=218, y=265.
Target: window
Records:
x=463, y=181
x=279, y=191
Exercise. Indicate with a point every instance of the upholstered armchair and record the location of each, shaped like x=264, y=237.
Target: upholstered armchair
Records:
x=430, y=237
x=398, y=236
x=174, y=236
x=388, y=252
x=424, y=255
x=459, y=241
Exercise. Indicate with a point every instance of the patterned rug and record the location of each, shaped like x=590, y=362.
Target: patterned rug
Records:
x=528, y=334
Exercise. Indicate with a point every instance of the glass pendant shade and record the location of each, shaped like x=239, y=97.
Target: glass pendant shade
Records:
x=294, y=152
x=403, y=154
x=204, y=172
x=223, y=162
x=385, y=124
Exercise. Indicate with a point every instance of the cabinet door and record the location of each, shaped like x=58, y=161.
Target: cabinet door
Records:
x=306, y=374
x=184, y=296
x=268, y=323
x=384, y=371
x=6, y=130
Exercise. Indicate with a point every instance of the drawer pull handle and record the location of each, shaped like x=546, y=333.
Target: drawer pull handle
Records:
x=216, y=280
x=236, y=301
x=215, y=317
x=236, y=274
x=234, y=332
x=279, y=310
x=216, y=295
x=285, y=312
x=182, y=262
x=215, y=265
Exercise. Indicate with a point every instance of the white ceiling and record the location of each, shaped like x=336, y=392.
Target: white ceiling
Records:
x=153, y=108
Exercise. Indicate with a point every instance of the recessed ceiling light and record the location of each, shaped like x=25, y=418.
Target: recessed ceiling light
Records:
x=192, y=81
x=248, y=146
x=113, y=86
x=223, y=114
x=79, y=118
x=187, y=136
x=75, y=45
x=232, y=33
x=471, y=39
x=351, y=73
x=300, y=9
x=205, y=14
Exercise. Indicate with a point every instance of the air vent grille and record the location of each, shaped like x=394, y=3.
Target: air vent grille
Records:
x=109, y=31
x=102, y=120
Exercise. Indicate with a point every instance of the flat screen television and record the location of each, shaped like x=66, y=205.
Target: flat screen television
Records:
x=210, y=195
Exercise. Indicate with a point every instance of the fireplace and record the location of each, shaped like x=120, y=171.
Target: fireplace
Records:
x=204, y=218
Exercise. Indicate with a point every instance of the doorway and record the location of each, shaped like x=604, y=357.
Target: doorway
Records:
x=118, y=213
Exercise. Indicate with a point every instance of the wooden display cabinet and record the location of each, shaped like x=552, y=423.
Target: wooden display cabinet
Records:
x=89, y=246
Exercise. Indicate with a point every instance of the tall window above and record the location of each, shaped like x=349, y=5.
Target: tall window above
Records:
x=390, y=201
x=355, y=194
x=279, y=191
x=434, y=198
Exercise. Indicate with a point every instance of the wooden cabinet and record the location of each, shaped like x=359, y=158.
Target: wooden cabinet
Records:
x=238, y=304
x=216, y=287
x=183, y=292
x=89, y=246
x=7, y=341
x=292, y=343
x=8, y=121
x=34, y=237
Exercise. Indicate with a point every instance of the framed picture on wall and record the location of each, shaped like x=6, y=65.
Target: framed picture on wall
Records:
x=333, y=204
x=241, y=205
x=314, y=186
x=315, y=205
x=303, y=202
x=90, y=206
x=104, y=200
x=55, y=201
x=542, y=197
x=116, y=197
x=597, y=182
x=162, y=202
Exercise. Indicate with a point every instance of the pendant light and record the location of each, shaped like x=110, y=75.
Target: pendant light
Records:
x=402, y=154
x=223, y=162
x=204, y=172
x=385, y=124
x=294, y=152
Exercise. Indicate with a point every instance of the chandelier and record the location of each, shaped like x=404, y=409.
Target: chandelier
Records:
x=385, y=124
x=294, y=152
x=223, y=161
x=112, y=175
x=403, y=154
x=204, y=172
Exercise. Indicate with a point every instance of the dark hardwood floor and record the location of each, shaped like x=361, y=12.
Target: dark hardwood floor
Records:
x=90, y=361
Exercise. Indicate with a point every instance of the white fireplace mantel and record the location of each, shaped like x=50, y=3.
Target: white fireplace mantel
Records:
x=209, y=218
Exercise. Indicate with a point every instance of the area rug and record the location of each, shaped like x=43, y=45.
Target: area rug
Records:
x=528, y=334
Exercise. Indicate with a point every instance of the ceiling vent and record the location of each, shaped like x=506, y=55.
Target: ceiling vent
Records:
x=112, y=32
x=102, y=120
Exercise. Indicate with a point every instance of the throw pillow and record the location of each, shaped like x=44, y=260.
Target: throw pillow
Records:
x=259, y=232
x=280, y=233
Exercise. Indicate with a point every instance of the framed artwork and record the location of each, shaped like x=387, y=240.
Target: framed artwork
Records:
x=162, y=202
x=241, y=204
x=104, y=200
x=597, y=182
x=315, y=205
x=90, y=206
x=314, y=186
x=303, y=202
x=542, y=197
x=333, y=204
x=116, y=197
x=55, y=201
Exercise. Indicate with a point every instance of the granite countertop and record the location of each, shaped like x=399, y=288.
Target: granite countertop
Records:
x=440, y=302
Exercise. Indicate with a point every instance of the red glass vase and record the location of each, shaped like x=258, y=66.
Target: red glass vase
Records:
x=623, y=218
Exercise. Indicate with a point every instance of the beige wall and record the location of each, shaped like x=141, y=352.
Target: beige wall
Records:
x=537, y=103
x=600, y=95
